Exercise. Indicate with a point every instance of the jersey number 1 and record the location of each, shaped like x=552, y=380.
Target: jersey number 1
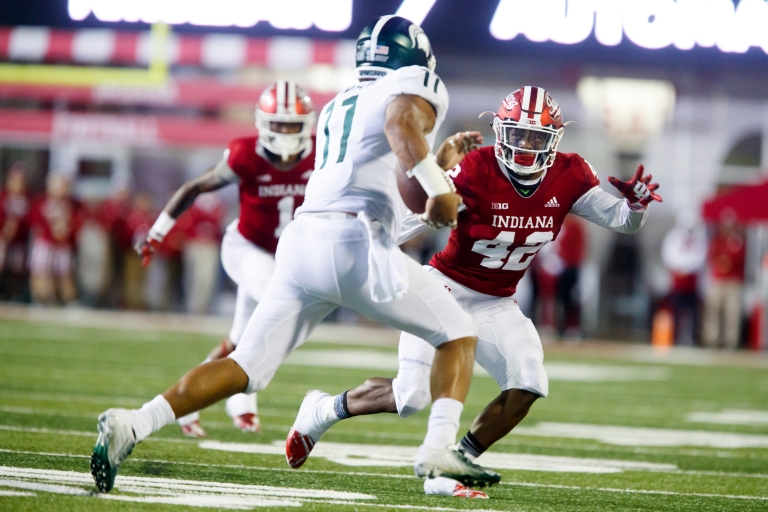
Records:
x=350, y=103
x=285, y=209
x=497, y=250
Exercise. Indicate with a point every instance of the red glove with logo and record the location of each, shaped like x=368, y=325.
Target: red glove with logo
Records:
x=146, y=248
x=639, y=191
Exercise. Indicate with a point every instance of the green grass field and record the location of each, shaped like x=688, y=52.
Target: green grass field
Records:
x=616, y=433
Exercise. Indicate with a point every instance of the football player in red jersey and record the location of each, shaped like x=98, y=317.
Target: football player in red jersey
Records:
x=517, y=194
x=271, y=170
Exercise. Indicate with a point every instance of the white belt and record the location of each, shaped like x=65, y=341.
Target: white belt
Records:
x=329, y=215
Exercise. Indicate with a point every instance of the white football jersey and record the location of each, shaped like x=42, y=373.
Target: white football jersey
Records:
x=354, y=165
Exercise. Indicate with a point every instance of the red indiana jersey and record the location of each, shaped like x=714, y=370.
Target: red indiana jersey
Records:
x=268, y=195
x=500, y=232
x=57, y=220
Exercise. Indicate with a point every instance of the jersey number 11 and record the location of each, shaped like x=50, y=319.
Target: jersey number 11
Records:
x=350, y=103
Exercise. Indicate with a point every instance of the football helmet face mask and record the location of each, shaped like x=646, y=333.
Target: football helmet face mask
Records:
x=285, y=116
x=392, y=42
x=528, y=126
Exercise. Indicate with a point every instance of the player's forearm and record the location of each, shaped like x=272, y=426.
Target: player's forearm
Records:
x=601, y=208
x=185, y=196
x=407, y=141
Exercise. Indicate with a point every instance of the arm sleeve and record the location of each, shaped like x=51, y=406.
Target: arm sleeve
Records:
x=413, y=227
x=601, y=208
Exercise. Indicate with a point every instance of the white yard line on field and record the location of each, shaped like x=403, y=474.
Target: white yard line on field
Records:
x=83, y=433
x=374, y=455
x=190, y=492
x=730, y=417
x=644, y=436
x=38, y=396
x=16, y=493
x=639, y=491
x=345, y=473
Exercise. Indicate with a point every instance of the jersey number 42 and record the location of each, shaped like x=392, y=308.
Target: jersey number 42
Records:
x=498, y=252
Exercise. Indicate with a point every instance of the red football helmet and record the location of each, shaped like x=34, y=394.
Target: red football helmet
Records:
x=285, y=116
x=528, y=126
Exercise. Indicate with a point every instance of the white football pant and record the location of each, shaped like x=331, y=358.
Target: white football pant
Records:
x=322, y=263
x=508, y=348
x=250, y=267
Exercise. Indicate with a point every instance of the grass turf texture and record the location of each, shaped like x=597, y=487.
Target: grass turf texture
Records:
x=55, y=380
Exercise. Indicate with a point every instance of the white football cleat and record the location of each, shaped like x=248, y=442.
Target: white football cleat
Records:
x=309, y=427
x=248, y=423
x=114, y=444
x=452, y=463
x=442, y=486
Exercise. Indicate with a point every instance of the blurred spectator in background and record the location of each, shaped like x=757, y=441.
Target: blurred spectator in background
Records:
x=684, y=252
x=55, y=219
x=722, y=306
x=547, y=268
x=113, y=215
x=571, y=248
x=93, y=256
x=139, y=220
x=14, y=234
x=201, y=226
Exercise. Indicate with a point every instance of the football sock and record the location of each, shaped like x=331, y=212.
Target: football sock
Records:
x=340, y=406
x=472, y=447
x=152, y=416
x=443, y=423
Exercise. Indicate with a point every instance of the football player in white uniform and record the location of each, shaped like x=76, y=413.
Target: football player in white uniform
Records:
x=341, y=249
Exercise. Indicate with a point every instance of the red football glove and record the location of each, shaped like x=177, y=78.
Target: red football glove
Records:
x=639, y=190
x=146, y=248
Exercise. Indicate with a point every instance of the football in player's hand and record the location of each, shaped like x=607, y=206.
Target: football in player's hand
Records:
x=411, y=191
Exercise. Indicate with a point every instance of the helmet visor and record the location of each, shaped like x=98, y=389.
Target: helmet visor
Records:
x=527, y=139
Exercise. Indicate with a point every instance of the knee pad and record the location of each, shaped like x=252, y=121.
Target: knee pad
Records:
x=411, y=389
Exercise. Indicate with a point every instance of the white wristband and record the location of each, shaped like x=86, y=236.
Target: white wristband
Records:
x=162, y=226
x=432, y=177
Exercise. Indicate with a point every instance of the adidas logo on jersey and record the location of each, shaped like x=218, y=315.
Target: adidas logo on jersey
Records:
x=307, y=174
x=552, y=203
x=264, y=178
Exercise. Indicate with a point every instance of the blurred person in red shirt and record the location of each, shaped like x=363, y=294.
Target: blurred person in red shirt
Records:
x=140, y=216
x=571, y=246
x=684, y=252
x=727, y=252
x=202, y=227
x=14, y=232
x=56, y=219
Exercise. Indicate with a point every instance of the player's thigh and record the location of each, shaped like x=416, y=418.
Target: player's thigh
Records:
x=509, y=348
x=411, y=386
x=280, y=323
x=427, y=310
x=248, y=265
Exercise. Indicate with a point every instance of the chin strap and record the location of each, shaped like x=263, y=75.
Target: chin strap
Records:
x=526, y=188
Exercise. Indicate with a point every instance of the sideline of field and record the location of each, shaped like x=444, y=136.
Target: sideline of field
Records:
x=368, y=335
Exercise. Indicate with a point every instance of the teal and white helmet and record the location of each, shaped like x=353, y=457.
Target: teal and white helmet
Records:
x=392, y=42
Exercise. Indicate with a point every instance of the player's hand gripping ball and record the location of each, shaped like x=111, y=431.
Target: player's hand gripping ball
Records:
x=639, y=190
x=145, y=249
